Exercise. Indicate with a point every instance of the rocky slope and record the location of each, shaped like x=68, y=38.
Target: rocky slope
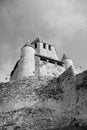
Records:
x=44, y=103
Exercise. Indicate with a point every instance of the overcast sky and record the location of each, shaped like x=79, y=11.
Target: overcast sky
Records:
x=59, y=22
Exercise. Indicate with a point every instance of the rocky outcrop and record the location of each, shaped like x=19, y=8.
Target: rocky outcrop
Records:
x=44, y=103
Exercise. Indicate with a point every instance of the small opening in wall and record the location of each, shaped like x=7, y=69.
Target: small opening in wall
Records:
x=50, y=61
x=44, y=45
x=35, y=45
x=50, y=47
x=43, y=59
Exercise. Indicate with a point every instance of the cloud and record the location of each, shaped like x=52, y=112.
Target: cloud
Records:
x=48, y=18
x=64, y=18
x=61, y=17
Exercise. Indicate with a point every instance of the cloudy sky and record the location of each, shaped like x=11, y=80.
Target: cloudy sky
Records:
x=60, y=22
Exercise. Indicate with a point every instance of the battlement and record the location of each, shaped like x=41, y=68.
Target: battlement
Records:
x=43, y=48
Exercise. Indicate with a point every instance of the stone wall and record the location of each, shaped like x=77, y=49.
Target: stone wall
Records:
x=14, y=76
x=78, y=69
x=48, y=50
x=49, y=53
x=37, y=50
x=27, y=62
x=14, y=73
x=37, y=66
x=50, y=69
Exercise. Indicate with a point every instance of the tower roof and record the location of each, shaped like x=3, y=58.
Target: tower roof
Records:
x=27, y=43
x=65, y=57
x=36, y=40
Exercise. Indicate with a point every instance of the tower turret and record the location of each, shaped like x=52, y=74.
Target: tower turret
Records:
x=27, y=62
x=67, y=61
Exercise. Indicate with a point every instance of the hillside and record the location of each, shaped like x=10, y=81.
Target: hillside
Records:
x=44, y=103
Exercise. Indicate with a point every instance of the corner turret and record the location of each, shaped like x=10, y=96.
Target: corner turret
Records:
x=27, y=61
x=67, y=61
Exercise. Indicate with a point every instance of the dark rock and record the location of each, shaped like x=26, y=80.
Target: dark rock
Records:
x=44, y=103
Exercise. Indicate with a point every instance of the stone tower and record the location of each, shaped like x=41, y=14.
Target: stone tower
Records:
x=67, y=61
x=27, y=62
x=25, y=67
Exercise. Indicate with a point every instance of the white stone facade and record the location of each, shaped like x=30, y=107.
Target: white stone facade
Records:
x=46, y=52
x=39, y=59
x=31, y=65
x=27, y=63
x=50, y=69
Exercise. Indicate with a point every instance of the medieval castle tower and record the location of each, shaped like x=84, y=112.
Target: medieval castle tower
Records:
x=39, y=59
